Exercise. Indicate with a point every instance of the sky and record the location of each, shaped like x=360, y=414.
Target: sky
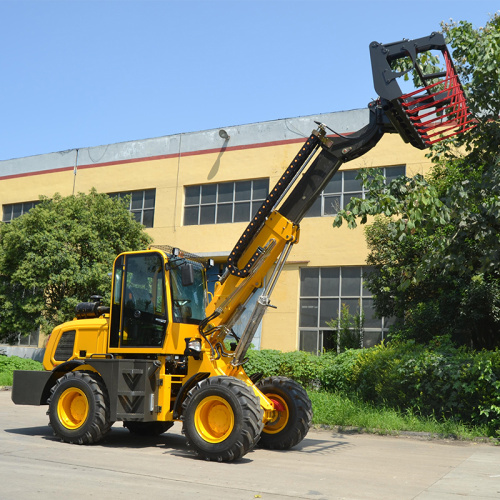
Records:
x=82, y=73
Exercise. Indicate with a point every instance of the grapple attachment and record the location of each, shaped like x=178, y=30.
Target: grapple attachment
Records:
x=434, y=111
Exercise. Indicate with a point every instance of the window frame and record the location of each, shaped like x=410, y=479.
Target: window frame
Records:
x=344, y=195
x=148, y=221
x=372, y=334
x=26, y=206
x=213, y=198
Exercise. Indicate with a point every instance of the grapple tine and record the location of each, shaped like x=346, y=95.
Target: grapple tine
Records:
x=433, y=112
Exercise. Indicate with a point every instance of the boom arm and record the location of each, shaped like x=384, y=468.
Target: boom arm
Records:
x=275, y=227
x=421, y=117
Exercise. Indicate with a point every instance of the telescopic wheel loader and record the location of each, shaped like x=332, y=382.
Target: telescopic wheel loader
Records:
x=157, y=354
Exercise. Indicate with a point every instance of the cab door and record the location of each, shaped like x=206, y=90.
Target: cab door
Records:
x=138, y=310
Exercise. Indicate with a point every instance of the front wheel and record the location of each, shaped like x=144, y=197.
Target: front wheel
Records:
x=222, y=418
x=294, y=417
x=79, y=408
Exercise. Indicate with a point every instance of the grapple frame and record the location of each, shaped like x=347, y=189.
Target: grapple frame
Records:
x=433, y=112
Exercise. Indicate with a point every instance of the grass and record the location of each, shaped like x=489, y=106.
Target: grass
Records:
x=339, y=410
x=5, y=379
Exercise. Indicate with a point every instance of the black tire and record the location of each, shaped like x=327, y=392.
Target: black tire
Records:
x=294, y=413
x=148, y=428
x=79, y=408
x=222, y=418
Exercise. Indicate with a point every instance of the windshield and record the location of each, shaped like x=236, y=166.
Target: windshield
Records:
x=188, y=302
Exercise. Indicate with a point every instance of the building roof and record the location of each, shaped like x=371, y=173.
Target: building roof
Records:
x=240, y=136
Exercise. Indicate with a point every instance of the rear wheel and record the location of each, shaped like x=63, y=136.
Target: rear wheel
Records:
x=148, y=428
x=222, y=418
x=294, y=417
x=79, y=408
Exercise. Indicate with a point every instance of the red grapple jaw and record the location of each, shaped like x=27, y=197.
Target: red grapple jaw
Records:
x=431, y=113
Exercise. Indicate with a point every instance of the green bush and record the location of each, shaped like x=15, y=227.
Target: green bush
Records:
x=437, y=380
x=9, y=364
x=298, y=365
x=336, y=371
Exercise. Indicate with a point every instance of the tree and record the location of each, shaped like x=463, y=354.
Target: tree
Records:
x=59, y=254
x=436, y=245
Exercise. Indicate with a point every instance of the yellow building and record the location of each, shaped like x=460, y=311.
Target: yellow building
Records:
x=197, y=191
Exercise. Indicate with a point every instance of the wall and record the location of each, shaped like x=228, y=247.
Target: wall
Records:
x=23, y=352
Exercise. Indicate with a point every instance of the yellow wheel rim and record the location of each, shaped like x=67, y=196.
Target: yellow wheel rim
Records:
x=279, y=423
x=214, y=419
x=72, y=408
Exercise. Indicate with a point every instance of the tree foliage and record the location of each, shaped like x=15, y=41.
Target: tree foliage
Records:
x=59, y=254
x=436, y=244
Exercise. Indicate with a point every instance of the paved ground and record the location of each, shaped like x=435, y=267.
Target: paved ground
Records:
x=326, y=465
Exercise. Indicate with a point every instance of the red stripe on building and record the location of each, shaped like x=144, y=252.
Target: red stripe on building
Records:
x=158, y=157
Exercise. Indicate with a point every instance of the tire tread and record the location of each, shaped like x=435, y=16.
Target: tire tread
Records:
x=251, y=425
x=301, y=413
x=101, y=423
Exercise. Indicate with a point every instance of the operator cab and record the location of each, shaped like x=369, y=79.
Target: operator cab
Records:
x=150, y=291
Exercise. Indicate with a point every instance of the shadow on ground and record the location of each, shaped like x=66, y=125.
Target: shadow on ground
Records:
x=175, y=443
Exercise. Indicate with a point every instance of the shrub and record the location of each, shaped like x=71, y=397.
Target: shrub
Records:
x=336, y=371
x=267, y=362
x=437, y=380
x=298, y=365
x=9, y=364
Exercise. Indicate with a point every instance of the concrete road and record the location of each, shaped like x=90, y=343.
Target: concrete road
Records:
x=326, y=465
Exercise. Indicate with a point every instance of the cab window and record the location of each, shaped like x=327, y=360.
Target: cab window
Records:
x=188, y=302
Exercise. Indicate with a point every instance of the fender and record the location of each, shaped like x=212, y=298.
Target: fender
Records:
x=198, y=377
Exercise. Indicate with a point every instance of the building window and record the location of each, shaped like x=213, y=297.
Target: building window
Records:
x=224, y=202
x=14, y=210
x=141, y=205
x=342, y=187
x=323, y=291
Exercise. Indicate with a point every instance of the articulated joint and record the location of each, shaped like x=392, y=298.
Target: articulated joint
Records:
x=270, y=416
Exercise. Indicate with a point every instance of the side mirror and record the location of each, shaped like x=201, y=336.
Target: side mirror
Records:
x=187, y=275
